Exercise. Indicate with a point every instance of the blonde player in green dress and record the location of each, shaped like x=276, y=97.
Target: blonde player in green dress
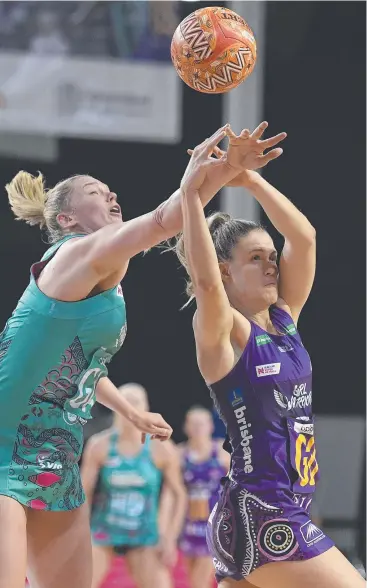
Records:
x=54, y=352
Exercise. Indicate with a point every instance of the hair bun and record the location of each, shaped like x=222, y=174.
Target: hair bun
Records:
x=216, y=220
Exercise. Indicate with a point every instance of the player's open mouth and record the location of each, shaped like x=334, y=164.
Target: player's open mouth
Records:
x=115, y=210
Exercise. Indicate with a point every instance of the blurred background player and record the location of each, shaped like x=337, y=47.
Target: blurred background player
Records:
x=204, y=462
x=122, y=481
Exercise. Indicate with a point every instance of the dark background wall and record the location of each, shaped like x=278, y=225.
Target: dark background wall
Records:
x=315, y=90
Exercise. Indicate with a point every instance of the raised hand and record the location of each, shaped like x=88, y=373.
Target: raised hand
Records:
x=201, y=162
x=246, y=152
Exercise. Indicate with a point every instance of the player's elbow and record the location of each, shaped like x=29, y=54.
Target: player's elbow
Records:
x=310, y=235
x=204, y=284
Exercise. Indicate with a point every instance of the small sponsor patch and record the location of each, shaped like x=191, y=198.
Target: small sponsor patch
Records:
x=235, y=398
x=291, y=329
x=285, y=348
x=305, y=429
x=262, y=340
x=310, y=533
x=268, y=369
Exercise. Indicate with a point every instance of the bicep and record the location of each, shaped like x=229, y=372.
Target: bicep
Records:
x=213, y=323
x=297, y=268
x=213, y=320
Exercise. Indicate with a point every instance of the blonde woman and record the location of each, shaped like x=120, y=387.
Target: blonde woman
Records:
x=126, y=478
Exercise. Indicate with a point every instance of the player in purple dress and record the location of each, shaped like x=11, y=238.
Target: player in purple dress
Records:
x=251, y=356
x=204, y=464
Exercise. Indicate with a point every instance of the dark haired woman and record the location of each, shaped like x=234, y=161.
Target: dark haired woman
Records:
x=251, y=356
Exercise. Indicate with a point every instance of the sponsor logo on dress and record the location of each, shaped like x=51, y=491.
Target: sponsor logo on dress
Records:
x=291, y=329
x=268, y=369
x=262, y=340
x=219, y=566
x=285, y=348
x=244, y=427
x=303, y=428
x=48, y=465
x=121, y=338
x=128, y=479
x=300, y=398
x=235, y=398
x=310, y=533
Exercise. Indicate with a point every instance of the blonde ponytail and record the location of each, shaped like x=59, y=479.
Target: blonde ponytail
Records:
x=27, y=198
x=32, y=202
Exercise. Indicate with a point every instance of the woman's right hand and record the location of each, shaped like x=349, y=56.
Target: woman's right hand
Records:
x=153, y=424
x=201, y=162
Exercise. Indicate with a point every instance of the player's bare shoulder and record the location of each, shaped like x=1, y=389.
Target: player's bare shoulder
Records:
x=163, y=452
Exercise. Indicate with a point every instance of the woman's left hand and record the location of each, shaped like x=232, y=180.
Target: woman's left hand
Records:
x=167, y=552
x=246, y=152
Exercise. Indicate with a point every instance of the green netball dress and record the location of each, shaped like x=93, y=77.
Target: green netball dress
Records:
x=125, y=507
x=52, y=355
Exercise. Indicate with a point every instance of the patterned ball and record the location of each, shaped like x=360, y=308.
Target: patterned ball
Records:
x=213, y=50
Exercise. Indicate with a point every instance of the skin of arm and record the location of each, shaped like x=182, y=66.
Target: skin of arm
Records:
x=110, y=247
x=147, y=422
x=173, y=499
x=298, y=260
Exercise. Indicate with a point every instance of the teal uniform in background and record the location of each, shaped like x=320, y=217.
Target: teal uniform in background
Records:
x=125, y=507
x=52, y=355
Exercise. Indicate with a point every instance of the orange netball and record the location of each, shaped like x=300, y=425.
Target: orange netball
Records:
x=213, y=50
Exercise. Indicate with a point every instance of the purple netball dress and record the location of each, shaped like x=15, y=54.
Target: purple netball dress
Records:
x=266, y=402
x=202, y=481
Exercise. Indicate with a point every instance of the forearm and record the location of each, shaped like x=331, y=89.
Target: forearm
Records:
x=165, y=509
x=169, y=214
x=108, y=395
x=285, y=217
x=172, y=513
x=199, y=249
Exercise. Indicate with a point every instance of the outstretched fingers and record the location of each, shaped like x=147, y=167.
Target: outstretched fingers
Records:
x=209, y=144
x=258, y=132
x=272, y=141
x=273, y=154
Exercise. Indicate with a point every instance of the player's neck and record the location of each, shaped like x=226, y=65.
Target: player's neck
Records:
x=256, y=311
x=201, y=445
x=262, y=319
x=129, y=435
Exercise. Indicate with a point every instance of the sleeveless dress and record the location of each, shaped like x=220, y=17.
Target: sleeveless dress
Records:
x=266, y=403
x=125, y=507
x=202, y=481
x=52, y=355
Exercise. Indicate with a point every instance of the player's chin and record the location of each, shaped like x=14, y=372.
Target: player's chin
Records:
x=270, y=294
x=116, y=218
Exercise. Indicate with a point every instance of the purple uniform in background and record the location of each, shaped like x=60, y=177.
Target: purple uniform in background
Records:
x=266, y=402
x=202, y=481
